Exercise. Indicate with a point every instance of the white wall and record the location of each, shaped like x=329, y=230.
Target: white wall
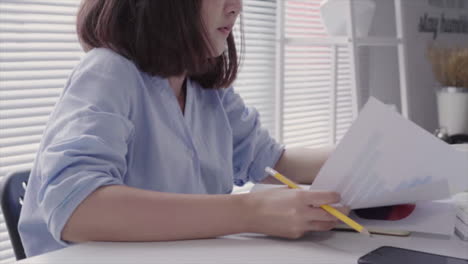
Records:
x=380, y=65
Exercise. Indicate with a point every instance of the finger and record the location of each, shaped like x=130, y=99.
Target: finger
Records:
x=321, y=225
x=317, y=198
x=318, y=214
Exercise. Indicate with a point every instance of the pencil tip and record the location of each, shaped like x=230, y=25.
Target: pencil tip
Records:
x=365, y=232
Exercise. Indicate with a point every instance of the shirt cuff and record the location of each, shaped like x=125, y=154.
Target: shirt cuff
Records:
x=266, y=158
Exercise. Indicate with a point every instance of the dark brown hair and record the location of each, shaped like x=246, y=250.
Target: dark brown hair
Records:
x=162, y=37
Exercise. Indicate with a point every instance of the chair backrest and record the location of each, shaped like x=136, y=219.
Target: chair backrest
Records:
x=12, y=192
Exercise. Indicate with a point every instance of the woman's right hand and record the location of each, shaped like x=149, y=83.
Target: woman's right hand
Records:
x=290, y=213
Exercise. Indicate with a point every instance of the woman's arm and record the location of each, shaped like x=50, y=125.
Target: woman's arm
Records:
x=301, y=164
x=121, y=213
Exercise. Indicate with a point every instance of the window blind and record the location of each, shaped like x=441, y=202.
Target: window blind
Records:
x=344, y=100
x=38, y=48
x=256, y=81
x=317, y=85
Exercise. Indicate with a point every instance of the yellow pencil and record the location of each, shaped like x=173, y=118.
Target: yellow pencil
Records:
x=325, y=207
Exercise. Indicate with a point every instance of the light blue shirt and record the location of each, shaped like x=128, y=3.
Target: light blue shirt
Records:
x=114, y=124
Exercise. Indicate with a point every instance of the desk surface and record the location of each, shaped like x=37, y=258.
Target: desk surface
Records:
x=323, y=247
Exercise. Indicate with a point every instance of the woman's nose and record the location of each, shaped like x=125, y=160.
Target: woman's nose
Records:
x=233, y=7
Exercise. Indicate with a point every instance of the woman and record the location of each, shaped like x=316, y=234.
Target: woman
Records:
x=148, y=137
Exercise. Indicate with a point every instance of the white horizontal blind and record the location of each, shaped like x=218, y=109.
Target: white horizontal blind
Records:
x=307, y=95
x=38, y=48
x=256, y=80
x=315, y=107
x=344, y=100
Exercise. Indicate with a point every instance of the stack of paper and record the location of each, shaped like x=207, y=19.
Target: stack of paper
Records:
x=435, y=217
x=461, y=224
x=385, y=159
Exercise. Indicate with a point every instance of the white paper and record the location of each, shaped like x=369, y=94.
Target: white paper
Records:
x=437, y=217
x=385, y=159
x=461, y=229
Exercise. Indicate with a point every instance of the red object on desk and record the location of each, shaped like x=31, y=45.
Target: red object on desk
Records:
x=388, y=213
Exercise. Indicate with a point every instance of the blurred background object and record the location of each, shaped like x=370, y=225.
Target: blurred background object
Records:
x=334, y=16
x=450, y=67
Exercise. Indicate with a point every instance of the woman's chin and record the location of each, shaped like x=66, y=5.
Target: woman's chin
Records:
x=218, y=53
x=219, y=49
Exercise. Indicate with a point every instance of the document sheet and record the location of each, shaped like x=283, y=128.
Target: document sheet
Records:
x=385, y=159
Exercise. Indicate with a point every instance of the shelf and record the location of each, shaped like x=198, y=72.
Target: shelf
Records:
x=366, y=41
x=378, y=41
x=316, y=41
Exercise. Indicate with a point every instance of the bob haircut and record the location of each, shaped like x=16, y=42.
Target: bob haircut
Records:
x=162, y=37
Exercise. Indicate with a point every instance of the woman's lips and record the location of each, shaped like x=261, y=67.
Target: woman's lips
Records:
x=224, y=30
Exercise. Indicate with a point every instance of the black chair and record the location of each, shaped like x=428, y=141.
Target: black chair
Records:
x=12, y=191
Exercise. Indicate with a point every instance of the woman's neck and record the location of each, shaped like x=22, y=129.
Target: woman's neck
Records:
x=180, y=90
x=177, y=84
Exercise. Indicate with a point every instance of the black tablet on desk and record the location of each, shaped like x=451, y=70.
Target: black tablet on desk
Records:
x=392, y=255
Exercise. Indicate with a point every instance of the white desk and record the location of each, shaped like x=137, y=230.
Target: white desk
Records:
x=326, y=247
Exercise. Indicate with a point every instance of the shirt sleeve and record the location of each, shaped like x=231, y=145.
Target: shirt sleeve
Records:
x=85, y=144
x=253, y=148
